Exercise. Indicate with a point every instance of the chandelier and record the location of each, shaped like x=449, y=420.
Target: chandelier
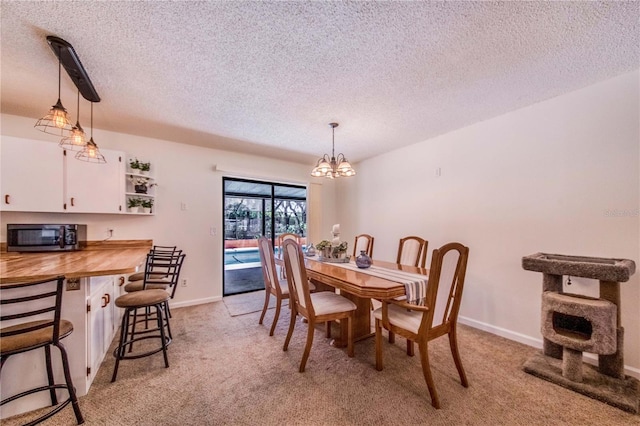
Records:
x=333, y=167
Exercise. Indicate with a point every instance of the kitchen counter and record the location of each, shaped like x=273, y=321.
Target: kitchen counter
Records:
x=98, y=258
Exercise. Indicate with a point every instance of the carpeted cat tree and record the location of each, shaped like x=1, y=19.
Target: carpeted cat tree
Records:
x=572, y=324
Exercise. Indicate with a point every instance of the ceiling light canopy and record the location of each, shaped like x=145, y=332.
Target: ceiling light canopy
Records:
x=333, y=167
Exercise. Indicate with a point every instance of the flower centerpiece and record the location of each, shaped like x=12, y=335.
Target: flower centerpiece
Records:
x=328, y=250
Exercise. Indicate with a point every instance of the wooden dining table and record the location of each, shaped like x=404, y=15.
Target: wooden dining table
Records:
x=357, y=286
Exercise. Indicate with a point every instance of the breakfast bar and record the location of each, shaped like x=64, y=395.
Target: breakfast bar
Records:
x=93, y=278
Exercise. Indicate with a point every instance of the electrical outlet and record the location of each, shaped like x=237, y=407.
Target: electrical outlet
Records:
x=183, y=282
x=73, y=284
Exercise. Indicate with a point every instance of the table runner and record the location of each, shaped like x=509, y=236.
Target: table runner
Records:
x=415, y=285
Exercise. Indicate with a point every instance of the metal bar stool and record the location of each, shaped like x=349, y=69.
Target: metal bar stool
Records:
x=44, y=298
x=131, y=302
x=169, y=265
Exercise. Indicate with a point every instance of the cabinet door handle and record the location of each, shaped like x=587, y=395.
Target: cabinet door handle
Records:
x=72, y=200
x=105, y=301
x=6, y=199
x=108, y=296
x=121, y=281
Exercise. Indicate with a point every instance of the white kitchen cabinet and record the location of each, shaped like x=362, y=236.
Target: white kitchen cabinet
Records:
x=31, y=175
x=101, y=322
x=94, y=188
x=39, y=176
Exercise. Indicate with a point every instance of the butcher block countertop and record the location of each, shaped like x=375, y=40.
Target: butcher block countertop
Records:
x=98, y=258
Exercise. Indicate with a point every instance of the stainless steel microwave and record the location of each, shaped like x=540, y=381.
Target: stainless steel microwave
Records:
x=34, y=237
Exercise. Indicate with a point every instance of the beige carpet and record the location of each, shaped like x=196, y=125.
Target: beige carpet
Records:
x=227, y=371
x=242, y=304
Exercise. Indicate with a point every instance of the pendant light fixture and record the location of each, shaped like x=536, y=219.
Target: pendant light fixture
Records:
x=77, y=140
x=330, y=166
x=56, y=122
x=90, y=152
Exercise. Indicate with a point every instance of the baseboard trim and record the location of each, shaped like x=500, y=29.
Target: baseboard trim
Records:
x=195, y=302
x=531, y=341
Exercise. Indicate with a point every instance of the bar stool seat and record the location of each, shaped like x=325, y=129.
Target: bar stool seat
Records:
x=131, y=302
x=139, y=276
x=28, y=340
x=152, y=285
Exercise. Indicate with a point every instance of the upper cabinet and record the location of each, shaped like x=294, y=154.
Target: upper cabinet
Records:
x=31, y=175
x=37, y=176
x=94, y=188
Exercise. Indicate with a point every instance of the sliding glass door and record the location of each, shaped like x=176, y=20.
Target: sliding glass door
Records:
x=252, y=209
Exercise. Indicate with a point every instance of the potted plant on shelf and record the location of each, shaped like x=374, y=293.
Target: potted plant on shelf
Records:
x=140, y=184
x=147, y=203
x=144, y=168
x=134, y=164
x=133, y=205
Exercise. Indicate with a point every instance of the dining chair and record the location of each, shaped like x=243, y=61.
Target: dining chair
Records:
x=44, y=329
x=319, y=307
x=363, y=242
x=415, y=322
x=412, y=251
x=278, y=287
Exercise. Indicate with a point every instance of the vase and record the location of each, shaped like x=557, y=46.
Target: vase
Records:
x=311, y=251
x=140, y=189
x=363, y=261
x=133, y=209
x=146, y=210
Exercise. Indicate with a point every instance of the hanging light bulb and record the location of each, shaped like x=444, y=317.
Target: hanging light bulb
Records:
x=90, y=152
x=77, y=140
x=56, y=121
x=330, y=166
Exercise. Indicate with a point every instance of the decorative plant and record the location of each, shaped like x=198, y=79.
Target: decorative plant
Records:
x=134, y=164
x=140, y=180
x=134, y=202
x=145, y=167
x=147, y=203
x=323, y=244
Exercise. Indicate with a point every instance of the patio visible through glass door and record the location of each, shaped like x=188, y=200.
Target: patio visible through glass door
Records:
x=249, y=208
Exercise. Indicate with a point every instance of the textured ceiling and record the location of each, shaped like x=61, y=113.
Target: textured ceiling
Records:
x=267, y=77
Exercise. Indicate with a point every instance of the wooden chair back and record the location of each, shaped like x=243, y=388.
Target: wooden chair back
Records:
x=268, y=265
x=412, y=251
x=363, y=242
x=447, y=272
x=297, y=279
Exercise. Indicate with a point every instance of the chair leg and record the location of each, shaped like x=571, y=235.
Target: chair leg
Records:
x=267, y=294
x=453, y=343
x=133, y=327
x=52, y=390
x=327, y=332
x=119, y=352
x=162, y=334
x=166, y=319
x=392, y=337
x=70, y=388
x=350, y=348
x=307, y=347
x=275, y=316
x=426, y=371
x=410, y=350
x=292, y=324
x=378, y=345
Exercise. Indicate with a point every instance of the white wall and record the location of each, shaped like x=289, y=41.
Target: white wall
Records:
x=185, y=174
x=545, y=178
